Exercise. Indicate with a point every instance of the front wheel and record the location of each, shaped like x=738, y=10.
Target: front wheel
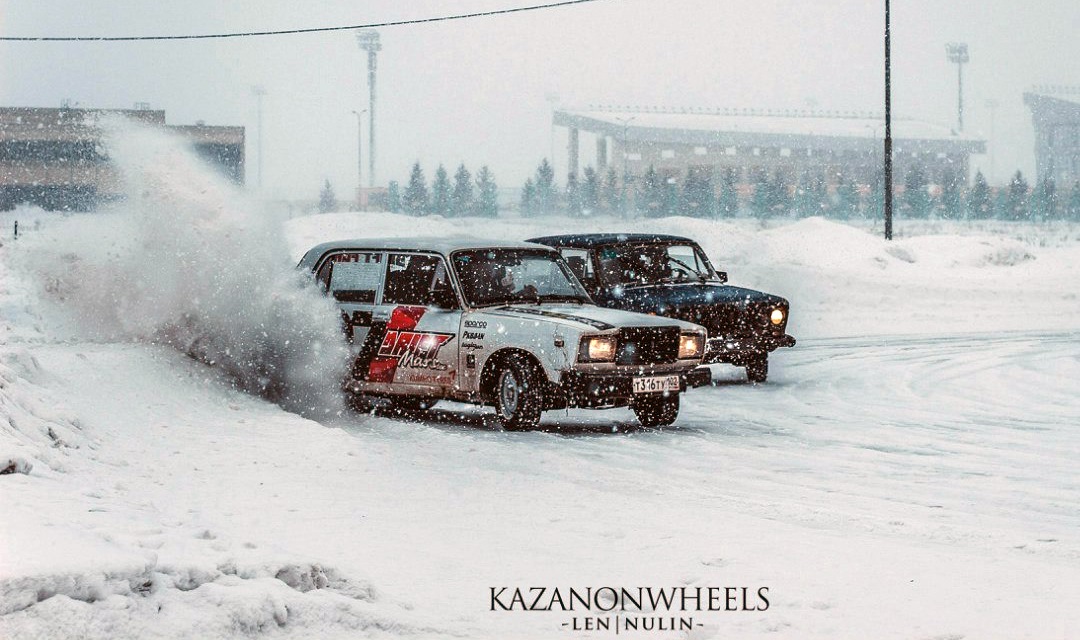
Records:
x=657, y=412
x=519, y=395
x=757, y=370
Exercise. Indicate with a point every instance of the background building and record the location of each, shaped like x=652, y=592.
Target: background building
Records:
x=752, y=143
x=52, y=158
x=1055, y=112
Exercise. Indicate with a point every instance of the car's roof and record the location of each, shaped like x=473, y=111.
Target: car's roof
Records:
x=444, y=245
x=600, y=239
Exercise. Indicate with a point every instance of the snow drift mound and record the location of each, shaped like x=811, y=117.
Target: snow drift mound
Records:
x=188, y=260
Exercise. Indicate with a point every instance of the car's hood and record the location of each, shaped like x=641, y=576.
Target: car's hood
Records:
x=586, y=317
x=659, y=298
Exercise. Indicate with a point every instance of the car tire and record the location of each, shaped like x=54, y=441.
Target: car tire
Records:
x=657, y=412
x=757, y=370
x=407, y=405
x=519, y=394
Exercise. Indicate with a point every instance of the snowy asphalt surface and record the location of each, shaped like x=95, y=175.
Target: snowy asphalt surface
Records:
x=926, y=482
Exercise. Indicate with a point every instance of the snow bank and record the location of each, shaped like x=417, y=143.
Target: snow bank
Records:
x=188, y=260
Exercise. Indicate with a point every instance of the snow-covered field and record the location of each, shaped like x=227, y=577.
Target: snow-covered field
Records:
x=909, y=470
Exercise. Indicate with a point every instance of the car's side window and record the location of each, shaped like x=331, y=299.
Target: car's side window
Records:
x=579, y=262
x=413, y=279
x=353, y=276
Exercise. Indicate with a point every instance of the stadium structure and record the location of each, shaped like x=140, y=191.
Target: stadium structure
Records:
x=53, y=158
x=755, y=142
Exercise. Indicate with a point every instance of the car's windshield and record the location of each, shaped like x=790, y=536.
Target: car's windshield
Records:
x=645, y=264
x=505, y=276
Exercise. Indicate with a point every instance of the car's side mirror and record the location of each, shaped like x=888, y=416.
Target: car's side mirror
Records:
x=442, y=298
x=722, y=275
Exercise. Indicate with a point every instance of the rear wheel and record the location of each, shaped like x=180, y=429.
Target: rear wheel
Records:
x=757, y=370
x=519, y=394
x=657, y=412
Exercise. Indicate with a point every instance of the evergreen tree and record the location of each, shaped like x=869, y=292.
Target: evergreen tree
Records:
x=763, y=200
x=1016, y=206
x=810, y=196
x=697, y=196
x=573, y=196
x=590, y=192
x=487, y=204
x=327, y=200
x=1044, y=202
x=415, y=201
x=1073, y=208
x=847, y=198
x=980, y=204
x=461, y=199
x=611, y=194
x=671, y=198
x=650, y=196
x=780, y=195
x=728, y=203
x=393, y=197
x=951, y=206
x=528, y=199
x=440, y=193
x=1001, y=204
x=545, y=189
x=875, y=202
x=916, y=198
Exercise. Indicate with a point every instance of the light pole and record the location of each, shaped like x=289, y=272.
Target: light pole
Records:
x=625, y=174
x=958, y=53
x=992, y=104
x=259, y=91
x=888, y=127
x=368, y=40
x=359, y=158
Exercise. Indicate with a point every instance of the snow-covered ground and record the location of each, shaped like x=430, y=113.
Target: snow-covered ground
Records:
x=909, y=470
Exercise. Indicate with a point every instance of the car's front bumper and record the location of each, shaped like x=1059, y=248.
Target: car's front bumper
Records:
x=738, y=349
x=588, y=389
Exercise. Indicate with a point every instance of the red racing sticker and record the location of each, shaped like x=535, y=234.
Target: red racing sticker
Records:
x=406, y=348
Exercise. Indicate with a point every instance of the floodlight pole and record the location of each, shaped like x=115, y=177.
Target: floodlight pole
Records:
x=359, y=158
x=625, y=126
x=888, y=129
x=368, y=40
x=957, y=52
x=259, y=91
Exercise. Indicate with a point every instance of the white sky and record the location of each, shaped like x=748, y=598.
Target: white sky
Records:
x=475, y=91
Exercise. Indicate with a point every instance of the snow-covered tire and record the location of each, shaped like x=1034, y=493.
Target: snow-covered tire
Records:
x=757, y=370
x=519, y=394
x=657, y=411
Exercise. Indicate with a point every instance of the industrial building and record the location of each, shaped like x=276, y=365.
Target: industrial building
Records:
x=1055, y=113
x=751, y=142
x=52, y=158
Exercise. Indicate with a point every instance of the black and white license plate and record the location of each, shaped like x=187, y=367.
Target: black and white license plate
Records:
x=656, y=384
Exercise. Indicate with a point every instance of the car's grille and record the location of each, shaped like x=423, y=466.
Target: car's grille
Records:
x=648, y=345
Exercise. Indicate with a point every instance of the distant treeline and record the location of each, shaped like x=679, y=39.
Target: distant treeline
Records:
x=698, y=195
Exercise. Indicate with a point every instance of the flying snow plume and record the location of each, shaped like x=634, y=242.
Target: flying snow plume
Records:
x=186, y=259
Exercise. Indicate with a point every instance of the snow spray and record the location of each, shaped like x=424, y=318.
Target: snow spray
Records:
x=185, y=258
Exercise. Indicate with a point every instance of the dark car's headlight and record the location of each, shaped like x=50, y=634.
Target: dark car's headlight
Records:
x=691, y=345
x=597, y=349
x=777, y=316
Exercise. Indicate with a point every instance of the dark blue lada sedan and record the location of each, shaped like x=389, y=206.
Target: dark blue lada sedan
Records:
x=671, y=276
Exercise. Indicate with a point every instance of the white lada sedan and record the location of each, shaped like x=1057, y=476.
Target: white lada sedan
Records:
x=502, y=324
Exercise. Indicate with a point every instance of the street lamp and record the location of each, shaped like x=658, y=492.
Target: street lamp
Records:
x=888, y=126
x=958, y=53
x=359, y=158
x=992, y=104
x=368, y=40
x=259, y=91
x=625, y=173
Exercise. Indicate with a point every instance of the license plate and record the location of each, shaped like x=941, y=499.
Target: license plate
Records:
x=656, y=384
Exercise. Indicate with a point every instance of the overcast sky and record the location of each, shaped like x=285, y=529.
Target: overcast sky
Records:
x=476, y=91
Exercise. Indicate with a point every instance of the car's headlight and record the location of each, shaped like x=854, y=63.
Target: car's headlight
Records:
x=597, y=349
x=691, y=345
x=777, y=316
